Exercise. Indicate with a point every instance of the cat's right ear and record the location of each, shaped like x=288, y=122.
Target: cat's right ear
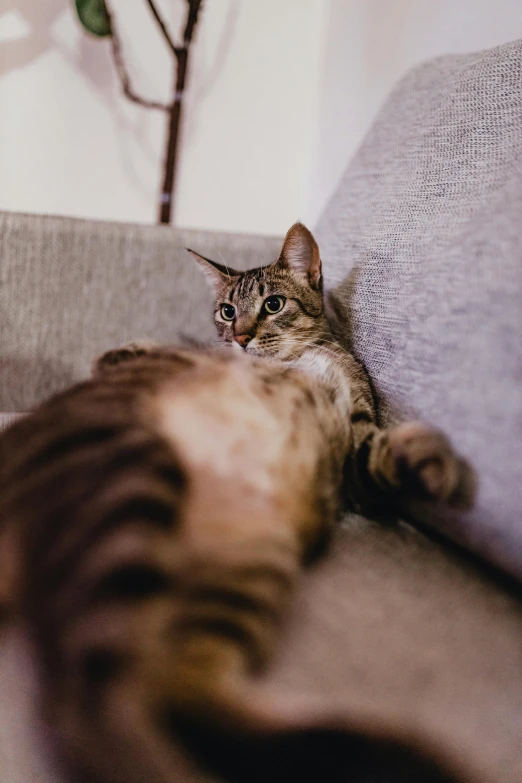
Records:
x=301, y=255
x=217, y=275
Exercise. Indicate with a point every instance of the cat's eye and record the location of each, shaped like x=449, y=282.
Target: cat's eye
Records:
x=273, y=304
x=228, y=312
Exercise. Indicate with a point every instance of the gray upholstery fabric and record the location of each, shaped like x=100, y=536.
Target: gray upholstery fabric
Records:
x=422, y=246
x=390, y=622
x=70, y=289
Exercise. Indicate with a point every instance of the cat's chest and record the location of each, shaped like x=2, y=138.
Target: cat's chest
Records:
x=327, y=371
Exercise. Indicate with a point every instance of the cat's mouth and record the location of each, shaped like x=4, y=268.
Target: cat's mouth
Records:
x=253, y=350
x=263, y=353
x=257, y=350
x=237, y=348
x=249, y=346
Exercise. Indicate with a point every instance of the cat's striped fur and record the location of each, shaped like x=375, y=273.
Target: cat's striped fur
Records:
x=153, y=522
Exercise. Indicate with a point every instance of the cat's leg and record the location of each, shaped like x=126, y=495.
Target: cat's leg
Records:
x=124, y=353
x=410, y=460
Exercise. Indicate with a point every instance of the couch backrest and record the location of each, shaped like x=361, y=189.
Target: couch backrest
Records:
x=70, y=289
x=422, y=247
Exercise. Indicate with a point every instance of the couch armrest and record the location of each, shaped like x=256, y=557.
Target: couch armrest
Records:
x=422, y=249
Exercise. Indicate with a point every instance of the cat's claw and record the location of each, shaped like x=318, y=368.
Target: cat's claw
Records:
x=427, y=465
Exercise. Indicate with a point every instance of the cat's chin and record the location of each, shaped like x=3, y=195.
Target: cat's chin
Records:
x=261, y=353
x=254, y=351
x=266, y=356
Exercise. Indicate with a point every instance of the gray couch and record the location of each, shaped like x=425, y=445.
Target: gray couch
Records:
x=422, y=248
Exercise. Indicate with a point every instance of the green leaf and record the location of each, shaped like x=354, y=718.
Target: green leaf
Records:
x=94, y=17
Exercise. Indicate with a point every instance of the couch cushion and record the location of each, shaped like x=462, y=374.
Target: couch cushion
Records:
x=70, y=289
x=422, y=247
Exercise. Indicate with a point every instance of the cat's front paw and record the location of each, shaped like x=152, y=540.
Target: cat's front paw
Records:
x=123, y=354
x=428, y=467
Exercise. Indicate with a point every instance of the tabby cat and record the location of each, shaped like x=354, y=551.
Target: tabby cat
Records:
x=153, y=521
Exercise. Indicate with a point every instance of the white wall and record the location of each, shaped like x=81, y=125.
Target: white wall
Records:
x=281, y=93
x=69, y=143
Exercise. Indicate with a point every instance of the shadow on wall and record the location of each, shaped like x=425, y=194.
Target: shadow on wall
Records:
x=39, y=17
x=91, y=58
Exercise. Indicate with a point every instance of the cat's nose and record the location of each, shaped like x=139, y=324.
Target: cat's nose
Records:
x=242, y=339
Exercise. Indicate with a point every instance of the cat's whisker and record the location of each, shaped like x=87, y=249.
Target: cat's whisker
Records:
x=321, y=345
x=224, y=263
x=316, y=346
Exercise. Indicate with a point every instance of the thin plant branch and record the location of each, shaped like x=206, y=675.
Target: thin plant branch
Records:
x=124, y=77
x=171, y=157
x=192, y=18
x=163, y=27
x=174, y=109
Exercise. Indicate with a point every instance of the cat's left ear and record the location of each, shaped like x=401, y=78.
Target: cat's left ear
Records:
x=300, y=253
x=217, y=274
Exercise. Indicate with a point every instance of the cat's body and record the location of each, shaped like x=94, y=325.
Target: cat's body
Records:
x=197, y=484
x=154, y=520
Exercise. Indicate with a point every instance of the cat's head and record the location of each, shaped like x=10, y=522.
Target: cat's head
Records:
x=273, y=311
